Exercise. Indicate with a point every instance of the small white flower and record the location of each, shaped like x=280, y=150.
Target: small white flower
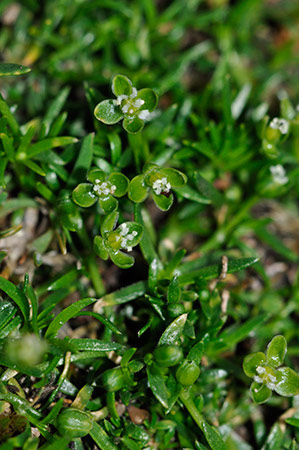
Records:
x=257, y=379
x=103, y=188
x=272, y=378
x=271, y=386
x=120, y=98
x=260, y=370
x=161, y=185
x=280, y=124
x=139, y=102
x=134, y=93
x=144, y=114
x=279, y=174
x=125, y=108
x=124, y=229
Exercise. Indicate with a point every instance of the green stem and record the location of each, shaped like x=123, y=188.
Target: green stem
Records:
x=190, y=406
x=91, y=264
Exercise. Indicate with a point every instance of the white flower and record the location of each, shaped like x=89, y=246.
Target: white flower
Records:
x=144, y=114
x=103, y=188
x=120, y=98
x=279, y=174
x=126, y=237
x=161, y=185
x=280, y=124
x=139, y=102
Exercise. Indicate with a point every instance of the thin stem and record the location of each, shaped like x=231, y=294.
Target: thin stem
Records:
x=190, y=406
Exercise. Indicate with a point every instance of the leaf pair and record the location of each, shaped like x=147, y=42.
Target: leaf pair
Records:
x=114, y=241
x=101, y=188
x=159, y=181
x=266, y=374
x=130, y=105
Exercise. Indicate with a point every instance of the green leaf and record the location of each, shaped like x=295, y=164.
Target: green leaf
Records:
x=13, y=69
x=95, y=345
x=210, y=272
x=174, y=331
x=66, y=315
x=101, y=438
x=16, y=295
x=108, y=204
x=207, y=189
x=122, y=260
x=275, y=438
x=213, y=437
x=149, y=97
x=34, y=167
x=14, y=204
x=157, y=384
x=276, y=351
x=83, y=161
x=174, y=176
x=173, y=291
x=7, y=114
x=68, y=215
x=294, y=421
x=121, y=85
x=137, y=190
x=260, y=392
x=65, y=280
x=100, y=248
x=106, y=322
x=288, y=384
x=108, y=112
x=109, y=223
x=7, y=312
x=48, y=144
x=83, y=195
x=121, y=182
x=190, y=194
x=96, y=174
x=122, y=295
x=252, y=361
x=133, y=125
x=229, y=338
x=162, y=201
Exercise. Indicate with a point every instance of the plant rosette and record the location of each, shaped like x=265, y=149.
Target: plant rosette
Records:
x=266, y=374
x=113, y=241
x=130, y=105
x=102, y=188
x=159, y=181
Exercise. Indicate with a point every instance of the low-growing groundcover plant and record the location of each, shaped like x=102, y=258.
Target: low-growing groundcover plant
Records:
x=149, y=238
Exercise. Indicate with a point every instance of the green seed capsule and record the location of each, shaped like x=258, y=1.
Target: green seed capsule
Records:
x=74, y=423
x=113, y=379
x=168, y=355
x=187, y=373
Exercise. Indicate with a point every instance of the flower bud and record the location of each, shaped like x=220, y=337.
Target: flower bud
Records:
x=113, y=379
x=187, y=373
x=74, y=423
x=168, y=355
